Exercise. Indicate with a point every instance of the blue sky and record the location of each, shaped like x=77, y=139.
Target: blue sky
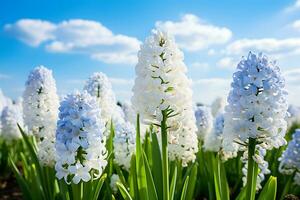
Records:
x=77, y=38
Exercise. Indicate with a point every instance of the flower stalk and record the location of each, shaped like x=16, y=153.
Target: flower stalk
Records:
x=252, y=170
x=165, y=168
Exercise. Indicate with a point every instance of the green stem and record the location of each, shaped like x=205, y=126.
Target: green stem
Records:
x=165, y=170
x=252, y=171
x=287, y=186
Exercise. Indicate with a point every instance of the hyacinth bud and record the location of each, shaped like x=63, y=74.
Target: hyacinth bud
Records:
x=41, y=111
x=257, y=105
x=213, y=140
x=11, y=116
x=80, y=142
x=204, y=121
x=290, y=158
x=99, y=86
x=161, y=83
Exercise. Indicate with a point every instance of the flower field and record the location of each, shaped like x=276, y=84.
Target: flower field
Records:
x=160, y=145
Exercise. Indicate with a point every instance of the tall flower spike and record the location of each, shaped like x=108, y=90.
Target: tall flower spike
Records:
x=290, y=158
x=161, y=83
x=99, y=86
x=217, y=106
x=129, y=113
x=124, y=143
x=294, y=115
x=11, y=116
x=255, y=115
x=204, y=121
x=213, y=140
x=257, y=105
x=80, y=143
x=41, y=111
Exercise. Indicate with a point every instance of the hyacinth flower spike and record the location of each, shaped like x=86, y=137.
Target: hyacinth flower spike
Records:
x=255, y=115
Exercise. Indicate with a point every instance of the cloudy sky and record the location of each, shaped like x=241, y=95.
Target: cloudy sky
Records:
x=77, y=38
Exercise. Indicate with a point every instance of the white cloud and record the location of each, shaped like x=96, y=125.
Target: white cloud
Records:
x=32, y=32
x=200, y=65
x=77, y=36
x=192, y=34
x=296, y=25
x=294, y=7
x=227, y=63
x=267, y=45
x=207, y=89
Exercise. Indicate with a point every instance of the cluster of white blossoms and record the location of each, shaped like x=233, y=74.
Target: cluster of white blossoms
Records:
x=257, y=108
x=204, y=121
x=4, y=101
x=294, y=115
x=113, y=182
x=129, y=113
x=124, y=143
x=263, y=165
x=10, y=117
x=217, y=106
x=290, y=158
x=80, y=142
x=161, y=84
x=40, y=107
x=213, y=140
x=257, y=105
x=99, y=86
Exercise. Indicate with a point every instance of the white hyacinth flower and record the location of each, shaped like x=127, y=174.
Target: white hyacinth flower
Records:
x=113, y=182
x=80, y=142
x=4, y=101
x=129, y=113
x=99, y=86
x=41, y=111
x=124, y=143
x=204, y=121
x=213, y=140
x=160, y=84
x=262, y=166
x=294, y=115
x=11, y=116
x=218, y=106
x=257, y=108
x=257, y=105
x=290, y=158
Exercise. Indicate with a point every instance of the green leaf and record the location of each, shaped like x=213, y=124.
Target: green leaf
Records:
x=120, y=174
x=140, y=166
x=173, y=183
x=192, y=183
x=269, y=190
x=183, y=194
x=242, y=194
x=157, y=166
x=99, y=186
x=123, y=191
x=150, y=183
x=21, y=181
x=133, y=185
x=221, y=185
